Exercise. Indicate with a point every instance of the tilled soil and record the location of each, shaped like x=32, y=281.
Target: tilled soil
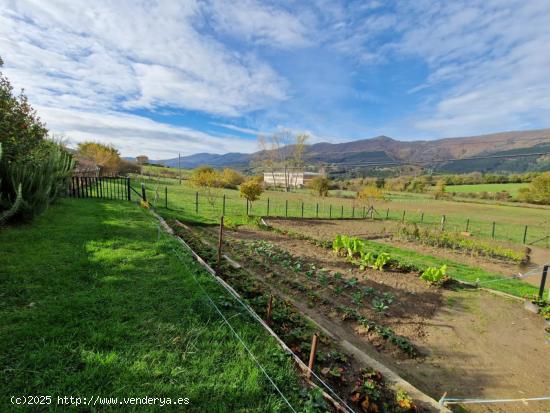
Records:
x=474, y=344
x=382, y=231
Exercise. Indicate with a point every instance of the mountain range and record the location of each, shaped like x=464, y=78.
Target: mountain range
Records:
x=386, y=149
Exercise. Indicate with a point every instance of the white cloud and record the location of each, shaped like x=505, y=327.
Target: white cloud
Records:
x=129, y=54
x=491, y=60
x=136, y=135
x=261, y=23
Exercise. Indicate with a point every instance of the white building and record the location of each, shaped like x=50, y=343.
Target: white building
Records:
x=294, y=179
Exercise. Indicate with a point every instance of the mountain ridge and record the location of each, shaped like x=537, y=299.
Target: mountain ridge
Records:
x=384, y=148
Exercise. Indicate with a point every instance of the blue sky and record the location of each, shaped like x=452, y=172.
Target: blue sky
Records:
x=159, y=78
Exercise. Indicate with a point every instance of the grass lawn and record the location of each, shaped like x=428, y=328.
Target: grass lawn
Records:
x=512, y=188
x=510, y=221
x=92, y=304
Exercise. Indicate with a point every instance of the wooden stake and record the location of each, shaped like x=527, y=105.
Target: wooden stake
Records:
x=220, y=242
x=312, y=356
x=269, y=309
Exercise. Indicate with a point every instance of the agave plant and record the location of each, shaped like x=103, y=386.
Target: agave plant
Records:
x=7, y=208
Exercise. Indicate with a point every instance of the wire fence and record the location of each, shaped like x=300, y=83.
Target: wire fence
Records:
x=213, y=205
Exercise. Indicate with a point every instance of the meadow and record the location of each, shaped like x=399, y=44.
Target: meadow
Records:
x=511, y=188
x=93, y=302
x=510, y=221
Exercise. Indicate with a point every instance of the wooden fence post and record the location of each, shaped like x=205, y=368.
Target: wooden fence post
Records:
x=312, y=356
x=353, y=211
x=403, y=217
x=422, y=218
x=269, y=309
x=443, y=218
x=143, y=194
x=220, y=240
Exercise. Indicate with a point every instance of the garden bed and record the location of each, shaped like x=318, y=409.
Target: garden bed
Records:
x=361, y=386
x=468, y=342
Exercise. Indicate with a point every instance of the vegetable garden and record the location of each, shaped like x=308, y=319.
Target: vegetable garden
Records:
x=390, y=306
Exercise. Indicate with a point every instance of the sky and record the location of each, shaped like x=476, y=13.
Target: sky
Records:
x=165, y=77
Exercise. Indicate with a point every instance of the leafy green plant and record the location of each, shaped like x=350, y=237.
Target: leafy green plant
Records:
x=382, y=259
x=357, y=297
x=379, y=306
x=436, y=276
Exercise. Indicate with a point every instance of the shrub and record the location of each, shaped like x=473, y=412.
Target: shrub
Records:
x=21, y=130
x=251, y=190
x=33, y=169
x=368, y=194
x=231, y=178
x=320, y=185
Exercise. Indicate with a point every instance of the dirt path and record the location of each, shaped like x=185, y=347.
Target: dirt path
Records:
x=476, y=344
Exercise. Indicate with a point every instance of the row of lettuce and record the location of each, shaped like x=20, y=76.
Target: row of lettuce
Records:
x=358, y=253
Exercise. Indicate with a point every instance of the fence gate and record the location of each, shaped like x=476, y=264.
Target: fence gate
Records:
x=104, y=187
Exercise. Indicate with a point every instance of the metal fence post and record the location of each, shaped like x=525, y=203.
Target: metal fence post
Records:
x=493, y=233
x=543, y=282
x=443, y=218
x=302, y=210
x=403, y=217
x=166, y=197
x=467, y=224
x=342, y=212
x=387, y=213
x=127, y=188
x=247, y=207
x=223, y=205
x=422, y=218
x=525, y=234
x=330, y=211
x=353, y=211
x=197, y=202
x=267, y=207
x=317, y=211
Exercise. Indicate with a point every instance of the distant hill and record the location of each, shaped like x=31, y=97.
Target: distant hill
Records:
x=386, y=149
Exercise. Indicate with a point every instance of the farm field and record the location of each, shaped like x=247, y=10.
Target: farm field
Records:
x=512, y=188
x=93, y=303
x=474, y=343
x=477, y=218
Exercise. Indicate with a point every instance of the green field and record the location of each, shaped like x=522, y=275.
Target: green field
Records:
x=510, y=220
x=512, y=188
x=93, y=303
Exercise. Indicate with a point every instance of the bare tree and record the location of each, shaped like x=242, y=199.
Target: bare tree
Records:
x=282, y=151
